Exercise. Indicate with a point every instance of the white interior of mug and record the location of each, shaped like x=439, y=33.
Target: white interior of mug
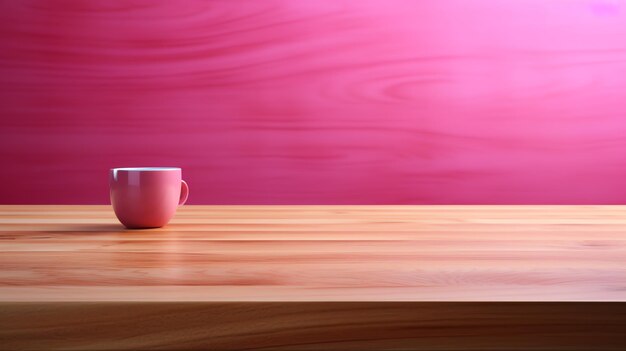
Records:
x=142, y=169
x=146, y=169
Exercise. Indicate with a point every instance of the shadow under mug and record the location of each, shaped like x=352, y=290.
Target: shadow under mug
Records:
x=146, y=197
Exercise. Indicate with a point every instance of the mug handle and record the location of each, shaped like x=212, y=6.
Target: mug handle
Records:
x=184, y=192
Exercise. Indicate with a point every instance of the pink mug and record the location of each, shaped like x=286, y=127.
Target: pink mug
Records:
x=146, y=197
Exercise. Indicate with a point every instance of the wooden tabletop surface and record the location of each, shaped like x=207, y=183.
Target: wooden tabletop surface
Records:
x=209, y=255
x=317, y=253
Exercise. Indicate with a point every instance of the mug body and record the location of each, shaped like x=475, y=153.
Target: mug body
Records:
x=145, y=197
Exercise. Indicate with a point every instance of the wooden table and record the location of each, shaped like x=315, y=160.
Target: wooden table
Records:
x=315, y=277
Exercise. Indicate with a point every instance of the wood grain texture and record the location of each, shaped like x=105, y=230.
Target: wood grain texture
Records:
x=317, y=102
x=288, y=326
x=316, y=277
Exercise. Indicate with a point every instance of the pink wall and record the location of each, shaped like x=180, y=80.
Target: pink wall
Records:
x=329, y=102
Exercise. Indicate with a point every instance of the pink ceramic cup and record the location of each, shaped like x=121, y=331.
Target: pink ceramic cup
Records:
x=146, y=197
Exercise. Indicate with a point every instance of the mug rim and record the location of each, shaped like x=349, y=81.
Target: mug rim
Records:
x=142, y=169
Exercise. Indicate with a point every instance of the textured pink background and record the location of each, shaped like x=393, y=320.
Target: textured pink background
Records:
x=317, y=102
